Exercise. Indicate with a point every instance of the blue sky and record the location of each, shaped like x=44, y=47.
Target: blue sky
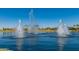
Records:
x=45, y=17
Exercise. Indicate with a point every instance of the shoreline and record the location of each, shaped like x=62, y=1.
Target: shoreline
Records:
x=38, y=30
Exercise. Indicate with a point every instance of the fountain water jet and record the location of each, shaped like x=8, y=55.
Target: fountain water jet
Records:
x=19, y=30
x=62, y=30
x=33, y=27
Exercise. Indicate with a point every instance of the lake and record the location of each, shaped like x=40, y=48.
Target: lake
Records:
x=40, y=42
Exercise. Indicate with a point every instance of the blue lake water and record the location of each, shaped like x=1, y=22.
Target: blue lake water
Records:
x=41, y=42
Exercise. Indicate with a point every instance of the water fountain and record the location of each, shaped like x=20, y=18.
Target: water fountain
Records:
x=33, y=27
x=19, y=30
x=62, y=30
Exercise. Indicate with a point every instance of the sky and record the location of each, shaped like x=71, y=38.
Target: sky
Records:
x=45, y=17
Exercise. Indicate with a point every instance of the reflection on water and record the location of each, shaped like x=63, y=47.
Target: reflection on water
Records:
x=61, y=43
x=7, y=34
x=32, y=42
x=19, y=43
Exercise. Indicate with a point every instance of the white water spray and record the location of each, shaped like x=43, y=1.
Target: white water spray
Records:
x=62, y=30
x=33, y=27
x=19, y=30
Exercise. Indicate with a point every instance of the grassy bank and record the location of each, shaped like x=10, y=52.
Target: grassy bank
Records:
x=40, y=30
